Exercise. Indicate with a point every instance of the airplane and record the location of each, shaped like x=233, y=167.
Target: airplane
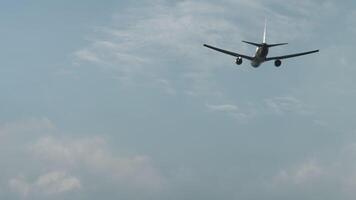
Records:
x=261, y=52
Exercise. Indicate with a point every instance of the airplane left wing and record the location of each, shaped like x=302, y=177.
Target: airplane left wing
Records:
x=229, y=52
x=291, y=55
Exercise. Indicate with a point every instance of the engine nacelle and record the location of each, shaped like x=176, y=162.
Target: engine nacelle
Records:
x=277, y=63
x=238, y=60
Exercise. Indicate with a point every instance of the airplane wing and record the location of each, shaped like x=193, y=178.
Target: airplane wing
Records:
x=229, y=52
x=291, y=55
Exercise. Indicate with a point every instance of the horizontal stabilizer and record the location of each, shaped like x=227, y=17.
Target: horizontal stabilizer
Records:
x=274, y=45
x=252, y=43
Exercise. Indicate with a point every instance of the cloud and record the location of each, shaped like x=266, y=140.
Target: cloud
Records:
x=162, y=35
x=325, y=175
x=302, y=174
x=223, y=108
x=57, y=182
x=20, y=186
x=287, y=104
x=93, y=154
x=241, y=115
x=52, y=183
x=86, y=55
x=43, y=164
x=32, y=125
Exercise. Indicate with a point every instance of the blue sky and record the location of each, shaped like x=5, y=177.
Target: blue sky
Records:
x=119, y=99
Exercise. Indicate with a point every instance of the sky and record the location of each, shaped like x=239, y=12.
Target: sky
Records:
x=119, y=100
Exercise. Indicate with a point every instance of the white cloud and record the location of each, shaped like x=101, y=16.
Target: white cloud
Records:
x=87, y=55
x=57, y=182
x=223, y=108
x=241, y=115
x=28, y=126
x=52, y=183
x=164, y=34
x=302, y=174
x=93, y=154
x=42, y=164
x=287, y=104
x=20, y=186
x=331, y=175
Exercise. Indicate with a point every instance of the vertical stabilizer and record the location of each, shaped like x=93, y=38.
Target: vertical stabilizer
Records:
x=265, y=32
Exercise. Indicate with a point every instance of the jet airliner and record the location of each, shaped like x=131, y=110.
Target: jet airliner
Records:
x=261, y=53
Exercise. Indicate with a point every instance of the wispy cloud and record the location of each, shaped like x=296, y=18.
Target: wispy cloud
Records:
x=241, y=115
x=171, y=33
x=335, y=175
x=302, y=174
x=287, y=104
x=143, y=45
x=223, y=108
x=32, y=125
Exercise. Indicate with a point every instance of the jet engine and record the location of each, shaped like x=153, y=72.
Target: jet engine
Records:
x=238, y=60
x=277, y=63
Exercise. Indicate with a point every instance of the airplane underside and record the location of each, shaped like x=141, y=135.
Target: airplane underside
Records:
x=256, y=62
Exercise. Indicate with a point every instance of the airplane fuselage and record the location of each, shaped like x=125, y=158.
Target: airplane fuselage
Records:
x=260, y=55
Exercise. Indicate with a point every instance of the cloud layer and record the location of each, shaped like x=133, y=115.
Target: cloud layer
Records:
x=45, y=166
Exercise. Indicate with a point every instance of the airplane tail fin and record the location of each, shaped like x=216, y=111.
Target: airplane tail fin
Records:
x=264, y=39
x=265, y=32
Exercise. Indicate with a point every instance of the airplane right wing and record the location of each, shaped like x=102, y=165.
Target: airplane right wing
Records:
x=291, y=55
x=229, y=52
